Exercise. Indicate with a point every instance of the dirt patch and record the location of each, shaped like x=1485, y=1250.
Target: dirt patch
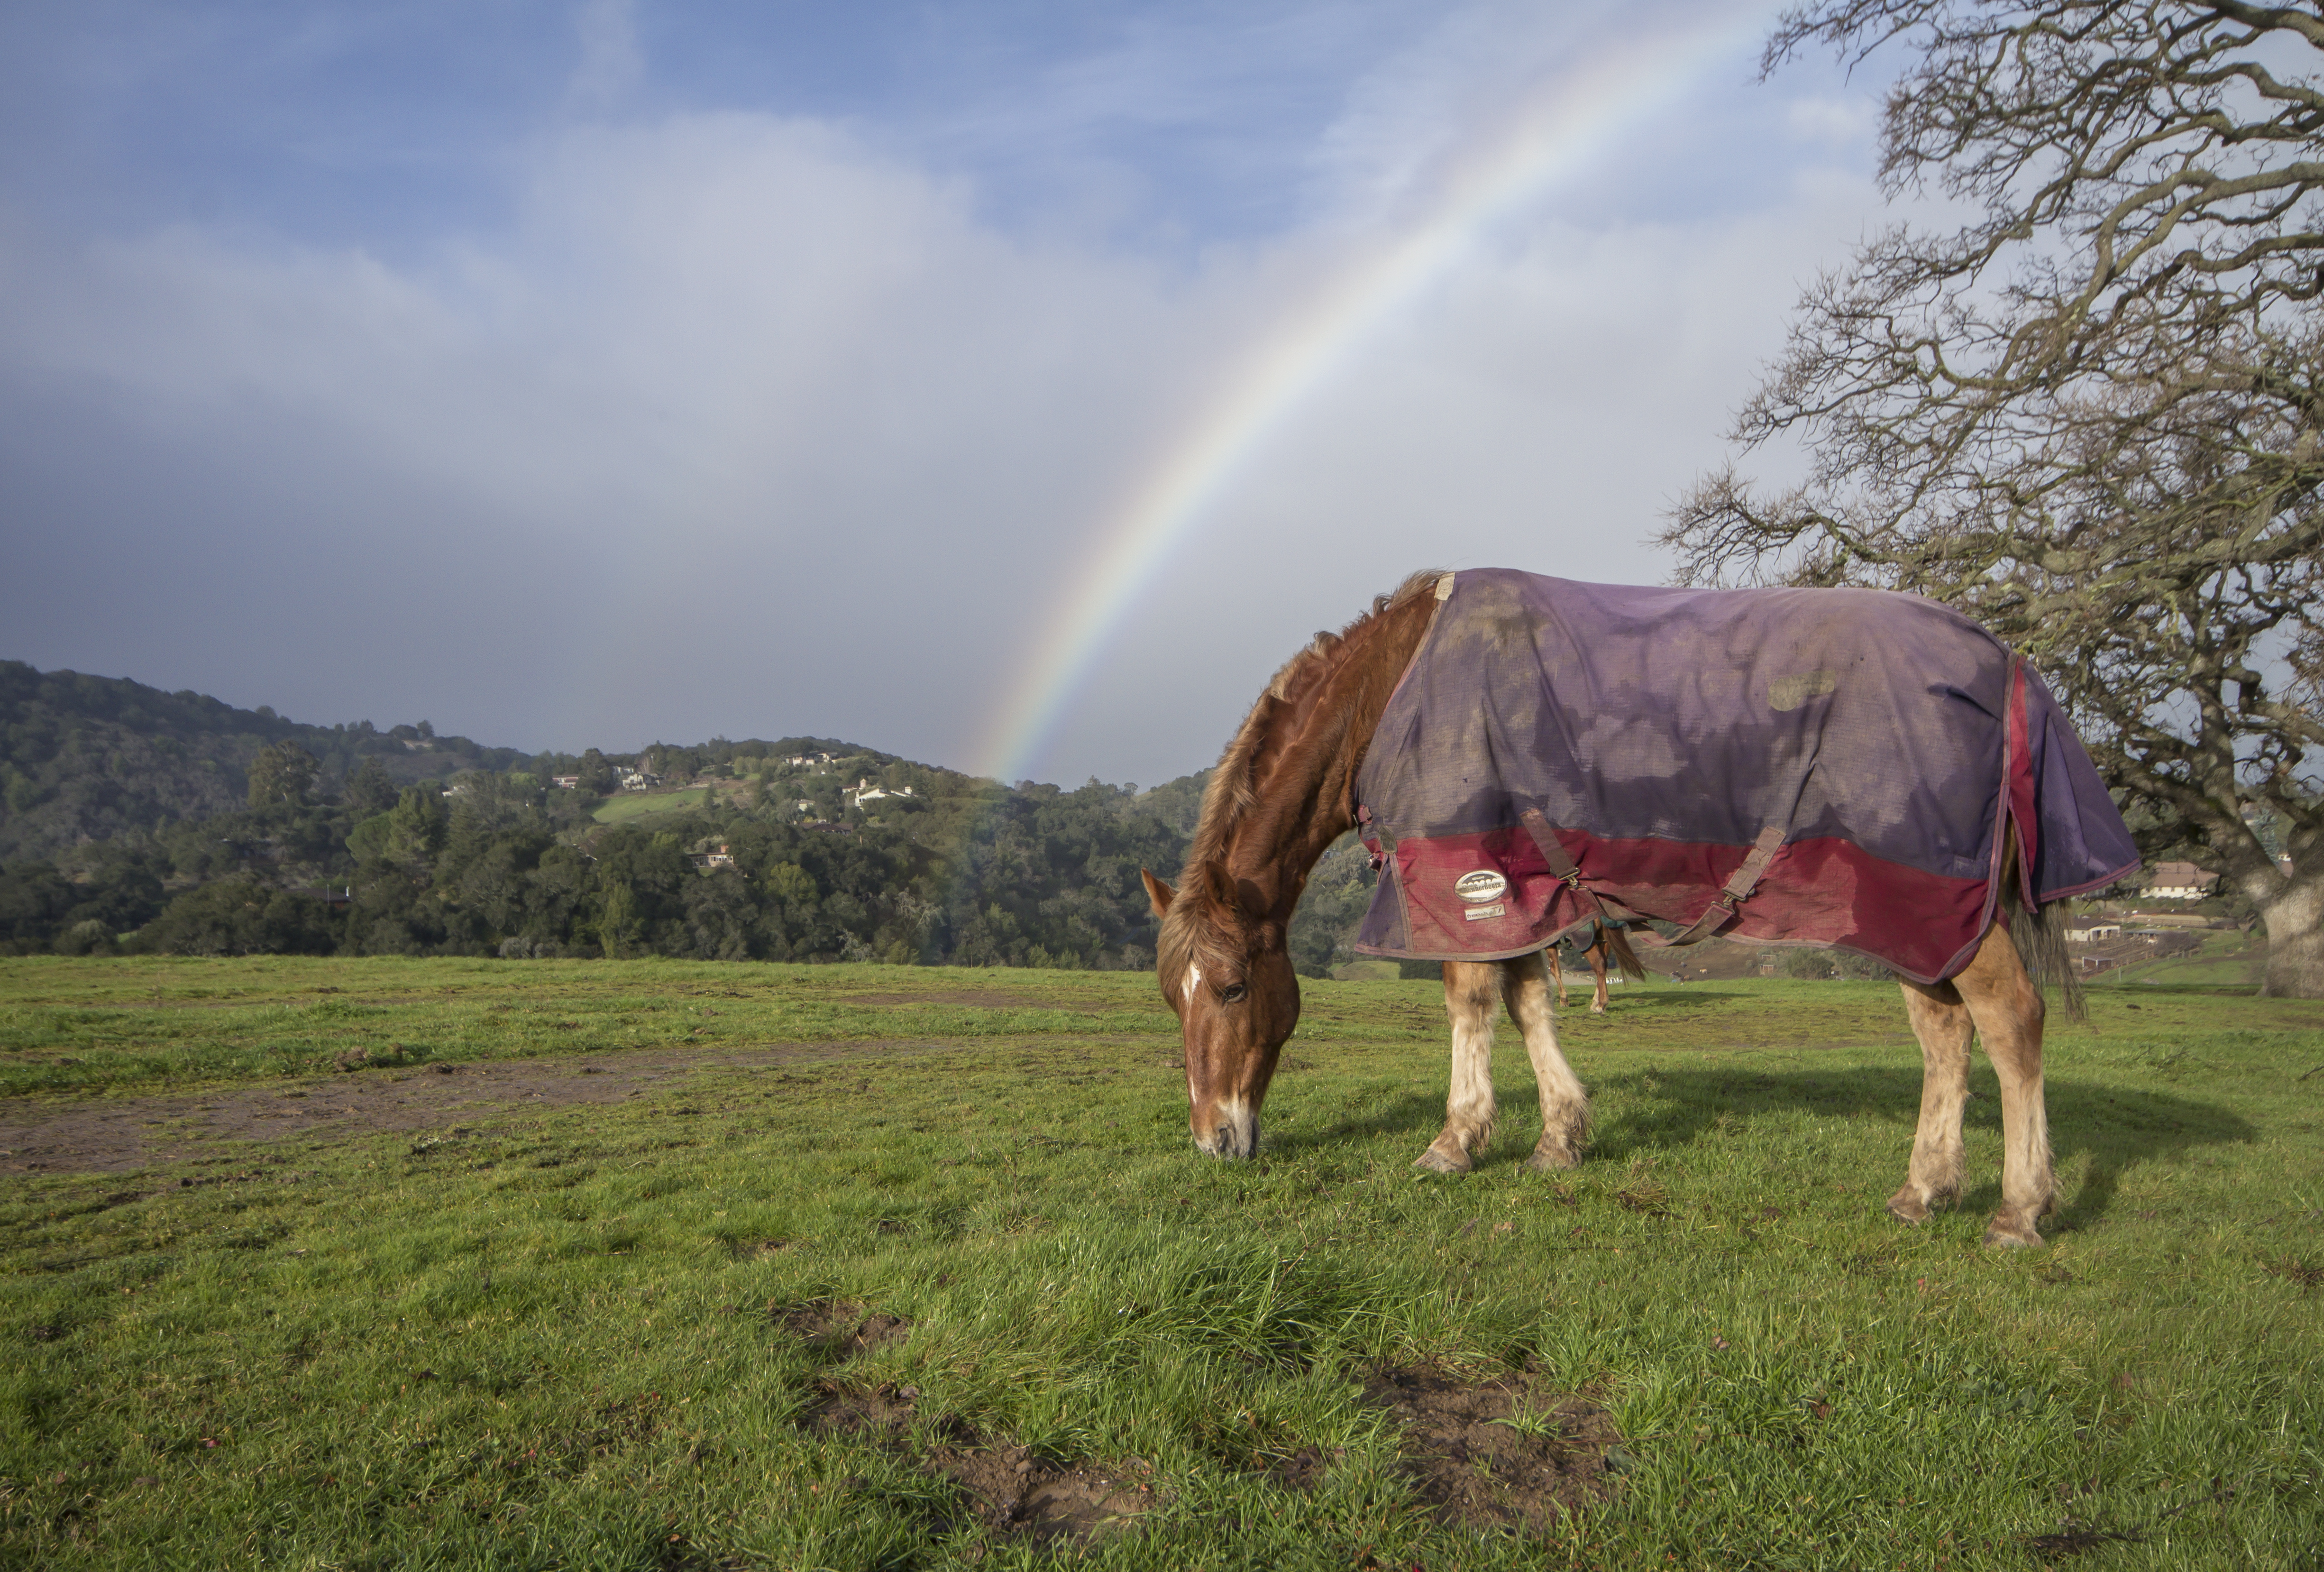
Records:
x=2074, y=1539
x=973, y=1000
x=1501, y=1453
x=1302, y=1471
x=881, y=1411
x=2300, y=1273
x=841, y=1328
x=118, y=1134
x=1011, y=1490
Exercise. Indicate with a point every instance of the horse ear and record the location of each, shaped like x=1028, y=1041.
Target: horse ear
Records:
x=1252, y=899
x=1159, y=892
x=1217, y=885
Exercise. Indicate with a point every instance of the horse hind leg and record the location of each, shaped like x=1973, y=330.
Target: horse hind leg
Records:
x=1469, y=1109
x=1598, y=976
x=1564, y=1104
x=2008, y=1010
x=1943, y=1024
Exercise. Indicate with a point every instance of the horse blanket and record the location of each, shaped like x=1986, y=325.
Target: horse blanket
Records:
x=1867, y=745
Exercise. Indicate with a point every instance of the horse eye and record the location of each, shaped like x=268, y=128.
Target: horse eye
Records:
x=1233, y=993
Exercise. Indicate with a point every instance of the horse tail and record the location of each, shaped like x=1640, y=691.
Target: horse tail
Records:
x=1617, y=945
x=2040, y=936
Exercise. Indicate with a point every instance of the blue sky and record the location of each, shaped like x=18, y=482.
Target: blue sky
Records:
x=579, y=375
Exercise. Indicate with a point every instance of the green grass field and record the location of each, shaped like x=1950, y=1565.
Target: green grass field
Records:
x=631, y=805
x=393, y=1263
x=2225, y=960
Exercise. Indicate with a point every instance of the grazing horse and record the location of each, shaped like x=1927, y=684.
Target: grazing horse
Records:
x=1601, y=940
x=1528, y=754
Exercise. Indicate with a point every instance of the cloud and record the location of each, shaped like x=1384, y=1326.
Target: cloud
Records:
x=1847, y=123
x=609, y=62
x=813, y=431
x=743, y=424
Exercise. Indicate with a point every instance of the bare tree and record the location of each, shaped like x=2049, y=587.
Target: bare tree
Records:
x=2089, y=416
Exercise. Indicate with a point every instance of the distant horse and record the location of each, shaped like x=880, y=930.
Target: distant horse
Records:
x=1528, y=754
x=1594, y=954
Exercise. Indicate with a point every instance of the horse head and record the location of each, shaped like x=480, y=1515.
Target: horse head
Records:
x=1227, y=973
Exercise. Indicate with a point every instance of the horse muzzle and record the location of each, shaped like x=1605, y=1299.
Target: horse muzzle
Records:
x=1233, y=1131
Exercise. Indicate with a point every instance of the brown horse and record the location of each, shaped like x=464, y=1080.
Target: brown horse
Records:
x=1594, y=954
x=1282, y=794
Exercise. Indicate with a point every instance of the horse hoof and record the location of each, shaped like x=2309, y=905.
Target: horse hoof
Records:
x=1906, y=1206
x=1546, y=1160
x=1436, y=1159
x=1597, y=1009
x=2011, y=1234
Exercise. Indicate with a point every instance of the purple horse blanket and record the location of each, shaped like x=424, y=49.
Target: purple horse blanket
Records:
x=1551, y=737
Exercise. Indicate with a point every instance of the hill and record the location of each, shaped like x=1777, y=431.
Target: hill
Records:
x=88, y=758
x=128, y=823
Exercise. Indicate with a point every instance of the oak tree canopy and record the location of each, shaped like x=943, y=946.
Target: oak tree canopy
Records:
x=2089, y=414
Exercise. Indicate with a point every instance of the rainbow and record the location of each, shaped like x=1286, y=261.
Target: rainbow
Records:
x=1563, y=130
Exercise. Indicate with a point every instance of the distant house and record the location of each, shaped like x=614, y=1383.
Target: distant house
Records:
x=717, y=856
x=2097, y=933
x=864, y=792
x=808, y=760
x=2180, y=882
x=566, y=783
x=639, y=779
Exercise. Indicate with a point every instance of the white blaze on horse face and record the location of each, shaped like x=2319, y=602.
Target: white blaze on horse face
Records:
x=1194, y=981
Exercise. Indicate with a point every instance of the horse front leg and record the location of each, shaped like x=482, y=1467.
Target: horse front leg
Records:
x=2008, y=1010
x=1597, y=973
x=1469, y=1105
x=1564, y=1104
x=1943, y=1023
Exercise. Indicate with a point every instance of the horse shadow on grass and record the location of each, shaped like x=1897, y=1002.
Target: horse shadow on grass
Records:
x=2115, y=1127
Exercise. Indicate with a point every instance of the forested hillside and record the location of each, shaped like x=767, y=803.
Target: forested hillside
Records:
x=88, y=758
x=173, y=823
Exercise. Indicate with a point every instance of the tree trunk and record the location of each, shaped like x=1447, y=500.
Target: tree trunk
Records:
x=2295, y=939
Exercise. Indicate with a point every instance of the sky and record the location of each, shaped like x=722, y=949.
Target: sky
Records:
x=1008, y=386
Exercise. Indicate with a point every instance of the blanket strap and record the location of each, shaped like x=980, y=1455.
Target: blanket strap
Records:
x=1733, y=893
x=1738, y=888
x=1561, y=866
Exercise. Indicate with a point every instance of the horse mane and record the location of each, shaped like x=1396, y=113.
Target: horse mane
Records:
x=1233, y=788
x=1232, y=792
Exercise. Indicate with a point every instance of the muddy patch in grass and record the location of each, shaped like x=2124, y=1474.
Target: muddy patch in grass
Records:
x=841, y=1328
x=1507, y=1452
x=978, y=1000
x=368, y=1096
x=878, y=1413
x=1301, y=1471
x=2075, y=1539
x=1015, y=1492
x=1010, y=1490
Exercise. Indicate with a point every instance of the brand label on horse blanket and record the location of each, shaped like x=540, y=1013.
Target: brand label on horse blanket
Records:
x=1659, y=732
x=1480, y=884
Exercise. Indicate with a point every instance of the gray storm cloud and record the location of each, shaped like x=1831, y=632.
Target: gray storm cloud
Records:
x=738, y=426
